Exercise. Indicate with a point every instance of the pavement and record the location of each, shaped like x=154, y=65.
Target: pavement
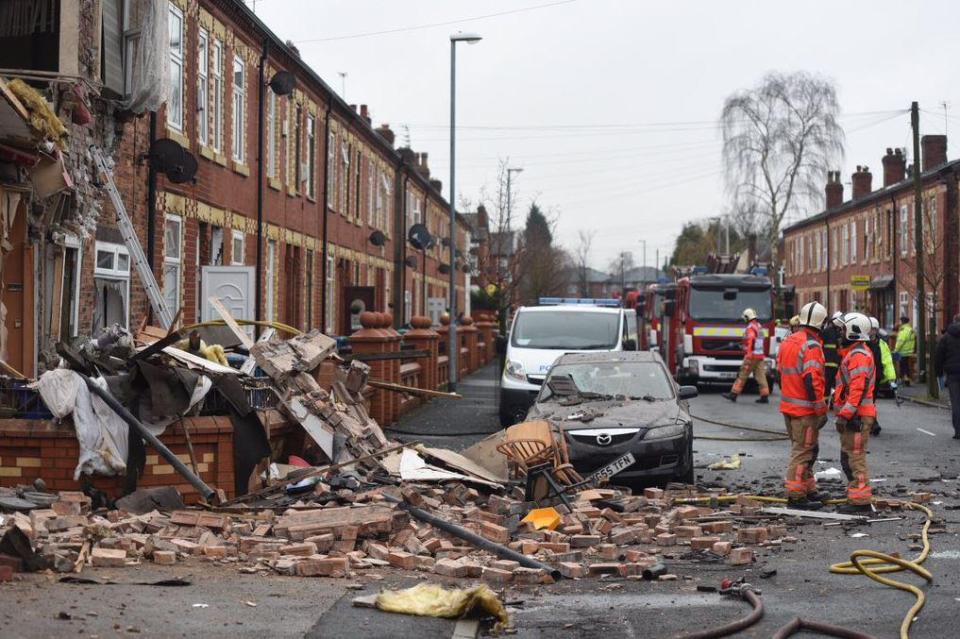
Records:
x=914, y=452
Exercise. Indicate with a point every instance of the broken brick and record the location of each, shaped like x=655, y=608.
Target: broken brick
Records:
x=571, y=570
x=753, y=535
x=496, y=577
x=322, y=567
x=740, y=556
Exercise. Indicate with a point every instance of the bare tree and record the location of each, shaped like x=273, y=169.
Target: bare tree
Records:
x=779, y=140
x=581, y=256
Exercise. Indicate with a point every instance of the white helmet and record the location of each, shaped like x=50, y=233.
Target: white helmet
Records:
x=874, y=324
x=813, y=315
x=749, y=315
x=837, y=319
x=856, y=327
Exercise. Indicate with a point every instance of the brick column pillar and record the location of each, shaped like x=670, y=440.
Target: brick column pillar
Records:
x=487, y=329
x=471, y=337
x=443, y=366
x=371, y=339
x=422, y=337
x=391, y=367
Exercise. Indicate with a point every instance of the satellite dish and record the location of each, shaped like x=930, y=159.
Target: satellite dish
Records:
x=444, y=268
x=419, y=237
x=174, y=161
x=411, y=261
x=377, y=238
x=282, y=83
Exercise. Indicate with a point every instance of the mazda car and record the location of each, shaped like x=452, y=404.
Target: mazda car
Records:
x=622, y=414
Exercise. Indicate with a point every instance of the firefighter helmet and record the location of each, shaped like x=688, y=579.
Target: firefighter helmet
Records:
x=749, y=315
x=856, y=327
x=874, y=324
x=813, y=314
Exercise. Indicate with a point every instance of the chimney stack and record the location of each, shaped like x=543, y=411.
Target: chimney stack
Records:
x=365, y=113
x=423, y=167
x=408, y=156
x=894, y=167
x=437, y=185
x=834, y=190
x=353, y=107
x=386, y=133
x=934, y=149
x=862, y=183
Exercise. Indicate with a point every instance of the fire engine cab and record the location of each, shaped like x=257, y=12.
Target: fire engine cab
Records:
x=701, y=331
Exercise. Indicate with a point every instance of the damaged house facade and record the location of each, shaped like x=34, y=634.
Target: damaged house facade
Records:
x=244, y=178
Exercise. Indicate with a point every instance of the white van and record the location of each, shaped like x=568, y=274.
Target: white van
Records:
x=541, y=334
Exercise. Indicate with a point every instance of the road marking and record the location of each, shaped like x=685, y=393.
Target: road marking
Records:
x=927, y=432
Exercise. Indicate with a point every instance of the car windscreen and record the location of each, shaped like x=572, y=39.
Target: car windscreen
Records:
x=728, y=304
x=571, y=330
x=638, y=380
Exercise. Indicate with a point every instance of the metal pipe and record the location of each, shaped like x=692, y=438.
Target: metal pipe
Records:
x=324, y=251
x=471, y=537
x=205, y=491
x=453, y=346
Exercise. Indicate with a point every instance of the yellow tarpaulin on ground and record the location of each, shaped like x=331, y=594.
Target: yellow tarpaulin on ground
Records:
x=431, y=600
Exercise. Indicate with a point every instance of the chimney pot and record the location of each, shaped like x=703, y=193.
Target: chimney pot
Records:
x=934, y=149
x=862, y=183
x=386, y=133
x=894, y=167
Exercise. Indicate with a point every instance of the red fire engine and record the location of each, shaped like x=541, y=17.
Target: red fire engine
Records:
x=697, y=327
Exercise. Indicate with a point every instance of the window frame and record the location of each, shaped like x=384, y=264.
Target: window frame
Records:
x=235, y=235
x=239, y=94
x=173, y=262
x=216, y=141
x=114, y=274
x=311, y=148
x=176, y=61
x=203, y=94
x=271, y=135
x=904, y=230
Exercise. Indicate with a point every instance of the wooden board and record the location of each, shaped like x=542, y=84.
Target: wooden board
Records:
x=230, y=321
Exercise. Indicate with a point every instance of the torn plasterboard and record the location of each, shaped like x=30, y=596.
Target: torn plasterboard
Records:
x=319, y=431
x=456, y=460
x=194, y=361
x=414, y=468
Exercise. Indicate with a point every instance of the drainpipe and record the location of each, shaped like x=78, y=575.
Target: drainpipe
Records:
x=826, y=221
x=400, y=223
x=423, y=256
x=261, y=85
x=895, y=256
x=151, y=195
x=323, y=215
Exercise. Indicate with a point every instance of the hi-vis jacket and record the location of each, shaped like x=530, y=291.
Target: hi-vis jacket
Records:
x=753, y=340
x=802, y=384
x=854, y=393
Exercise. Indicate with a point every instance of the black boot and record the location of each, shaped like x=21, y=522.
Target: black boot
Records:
x=731, y=396
x=875, y=429
x=763, y=400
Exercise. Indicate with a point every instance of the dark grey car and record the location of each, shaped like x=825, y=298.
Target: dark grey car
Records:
x=612, y=403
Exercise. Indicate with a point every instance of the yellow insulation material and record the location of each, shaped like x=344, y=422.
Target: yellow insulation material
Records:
x=43, y=120
x=431, y=600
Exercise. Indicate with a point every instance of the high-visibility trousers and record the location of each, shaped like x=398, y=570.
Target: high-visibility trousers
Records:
x=853, y=458
x=756, y=367
x=804, y=435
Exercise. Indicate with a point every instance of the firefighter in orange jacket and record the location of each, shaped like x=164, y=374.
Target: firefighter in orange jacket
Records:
x=801, y=365
x=753, y=359
x=855, y=410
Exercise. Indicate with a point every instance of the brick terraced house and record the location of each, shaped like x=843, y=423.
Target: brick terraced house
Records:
x=860, y=254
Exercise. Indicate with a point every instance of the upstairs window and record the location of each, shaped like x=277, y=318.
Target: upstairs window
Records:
x=175, y=103
x=216, y=137
x=311, y=156
x=239, y=104
x=203, y=123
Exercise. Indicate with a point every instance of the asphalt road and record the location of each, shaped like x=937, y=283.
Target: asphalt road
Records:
x=902, y=459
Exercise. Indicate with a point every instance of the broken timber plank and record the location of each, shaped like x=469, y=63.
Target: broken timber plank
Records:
x=230, y=322
x=812, y=514
x=251, y=363
x=400, y=388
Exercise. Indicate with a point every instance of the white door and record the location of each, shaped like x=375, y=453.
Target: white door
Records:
x=233, y=286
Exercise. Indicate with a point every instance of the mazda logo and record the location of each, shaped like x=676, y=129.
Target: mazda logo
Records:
x=604, y=439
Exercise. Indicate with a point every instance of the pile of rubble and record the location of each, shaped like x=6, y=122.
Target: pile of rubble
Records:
x=360, y=532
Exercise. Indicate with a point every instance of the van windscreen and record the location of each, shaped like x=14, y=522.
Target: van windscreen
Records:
x=574, y=330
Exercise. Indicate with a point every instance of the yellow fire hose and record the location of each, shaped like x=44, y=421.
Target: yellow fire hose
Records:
x=871, y=563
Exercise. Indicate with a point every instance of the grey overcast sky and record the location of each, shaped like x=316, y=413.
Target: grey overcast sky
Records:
x=610, y=106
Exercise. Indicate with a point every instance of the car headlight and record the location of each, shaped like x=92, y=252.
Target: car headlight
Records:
x=693, y=366
x=665, y=432
x=514, y=370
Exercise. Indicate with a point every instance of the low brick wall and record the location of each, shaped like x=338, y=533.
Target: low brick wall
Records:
x=43, y=448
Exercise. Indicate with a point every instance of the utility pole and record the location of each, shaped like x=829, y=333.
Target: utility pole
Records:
x=922, y=368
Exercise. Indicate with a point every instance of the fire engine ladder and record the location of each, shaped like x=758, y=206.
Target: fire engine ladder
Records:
x=150, y=286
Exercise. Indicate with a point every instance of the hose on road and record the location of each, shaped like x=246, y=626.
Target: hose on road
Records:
x=779, y=435
x=734, y=626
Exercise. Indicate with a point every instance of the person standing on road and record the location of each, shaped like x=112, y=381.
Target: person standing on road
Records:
x=855, y=410
x=883, y=365
x=947, y=363
x=801, y=365
x=831, y=344
x=753, y=359
x=904, y=349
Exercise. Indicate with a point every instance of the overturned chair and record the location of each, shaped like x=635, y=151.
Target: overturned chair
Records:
x=538, y=452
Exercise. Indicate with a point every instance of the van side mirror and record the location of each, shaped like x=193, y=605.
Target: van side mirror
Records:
x=501, y=345
x=687, y=392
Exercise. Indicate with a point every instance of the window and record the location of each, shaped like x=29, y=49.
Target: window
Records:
x=217, y=133
x=359, y=174
x=930, y=224
x=271, y=275
x=904, y=301
x=904, y=230
x=111, y=277
x=853, y=241
x=823, y=249
x=70, y=289
x=383, y=197
x=296, y=165
x=239, y=102
x=202, y=80
x=271, y=134
x=373, y=172
x=308, y=306
x=311, y=155
x=175, y=103
x=331, y=169
x=172, y=261
x=237, y=248
x=800, y=254
x=331, y=297
x=844, y=245
x=131, y=38
x=343, y=178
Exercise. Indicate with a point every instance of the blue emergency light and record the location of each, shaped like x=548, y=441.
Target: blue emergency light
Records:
x=580, y=301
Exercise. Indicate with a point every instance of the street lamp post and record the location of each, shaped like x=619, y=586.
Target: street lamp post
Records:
x=452, y=348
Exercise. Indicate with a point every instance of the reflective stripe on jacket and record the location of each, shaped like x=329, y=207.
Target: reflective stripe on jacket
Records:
x=855, y=383
x=800, y=363
x=753, y=340
x=906, y=342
